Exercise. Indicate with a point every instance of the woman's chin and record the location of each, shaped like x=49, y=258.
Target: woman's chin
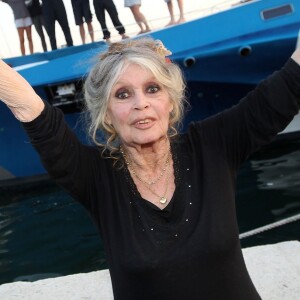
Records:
x=149, y=140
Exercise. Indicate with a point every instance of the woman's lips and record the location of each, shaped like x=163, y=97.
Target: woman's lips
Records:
x=143, y=123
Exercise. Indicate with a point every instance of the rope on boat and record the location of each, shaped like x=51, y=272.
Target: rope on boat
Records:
x=270, y=226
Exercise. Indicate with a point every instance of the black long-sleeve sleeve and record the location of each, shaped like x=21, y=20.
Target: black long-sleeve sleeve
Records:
x=258, y=117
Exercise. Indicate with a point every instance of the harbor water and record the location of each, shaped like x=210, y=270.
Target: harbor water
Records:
x=44, y=233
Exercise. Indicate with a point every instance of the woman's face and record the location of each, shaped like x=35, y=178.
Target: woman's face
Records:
x=139, y=107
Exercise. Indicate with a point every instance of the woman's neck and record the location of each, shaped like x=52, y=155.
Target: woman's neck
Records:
x=147, y=157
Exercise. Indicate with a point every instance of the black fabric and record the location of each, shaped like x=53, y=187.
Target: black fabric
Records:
x=190, y=249
x=54, y=10
x=36, y=13
x=38, y=23
x=82, y=11
x=100, y=7
x=35, y=8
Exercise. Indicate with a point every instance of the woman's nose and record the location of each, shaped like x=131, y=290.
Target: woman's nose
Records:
x=140, y=101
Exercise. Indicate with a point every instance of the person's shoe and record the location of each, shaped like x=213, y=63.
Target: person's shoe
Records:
x=124, y=36
x=107, y=40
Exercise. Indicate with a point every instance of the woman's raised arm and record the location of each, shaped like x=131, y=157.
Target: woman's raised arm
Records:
x=18, y=95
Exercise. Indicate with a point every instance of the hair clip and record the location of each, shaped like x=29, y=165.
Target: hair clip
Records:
x=168, y=60
x=161, y=49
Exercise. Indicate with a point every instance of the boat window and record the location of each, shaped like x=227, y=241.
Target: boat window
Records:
x=277, y=12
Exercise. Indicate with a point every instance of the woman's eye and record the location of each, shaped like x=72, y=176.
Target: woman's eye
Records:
x=122, y=94
x=153, y=89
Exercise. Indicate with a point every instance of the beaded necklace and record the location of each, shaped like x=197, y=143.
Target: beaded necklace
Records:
x=148, y=184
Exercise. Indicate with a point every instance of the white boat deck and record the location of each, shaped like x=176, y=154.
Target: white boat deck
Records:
x=274, y=269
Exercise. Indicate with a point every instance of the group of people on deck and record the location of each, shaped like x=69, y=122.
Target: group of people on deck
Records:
x=44, y=13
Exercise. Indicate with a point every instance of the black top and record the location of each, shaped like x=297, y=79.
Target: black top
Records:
x=35, y=8
x=190, y=249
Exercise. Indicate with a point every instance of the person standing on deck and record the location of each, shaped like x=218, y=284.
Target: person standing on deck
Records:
x=35, y=10
x=171, y=12
x=100, y=7
x=23, y=23
x=140, y=19
x=82, y=13
x=54, y=10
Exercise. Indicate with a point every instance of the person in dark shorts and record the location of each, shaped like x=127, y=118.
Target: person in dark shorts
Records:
x=100, y=7
x=82, y=13
x=54, y=10
x=35, y=10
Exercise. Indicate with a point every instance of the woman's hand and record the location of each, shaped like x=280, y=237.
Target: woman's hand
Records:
x=18, y=95
x=296, y=56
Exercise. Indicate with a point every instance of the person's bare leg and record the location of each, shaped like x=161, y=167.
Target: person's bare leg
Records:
x=181, y=16
x=91, y=30
x=171, y=12
x=124, y=36
x=143, y=19
x=21, y=31
x=140, y=18
x=29, y=38
x=135, y=11
x=82, y=33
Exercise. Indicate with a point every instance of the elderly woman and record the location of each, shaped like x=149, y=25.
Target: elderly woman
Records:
x=163, y=202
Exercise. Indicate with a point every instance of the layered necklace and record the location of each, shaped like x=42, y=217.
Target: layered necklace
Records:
x=149, y=183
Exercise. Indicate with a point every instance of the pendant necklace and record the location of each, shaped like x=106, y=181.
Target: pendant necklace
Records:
x=148, y=184
x=162, y=199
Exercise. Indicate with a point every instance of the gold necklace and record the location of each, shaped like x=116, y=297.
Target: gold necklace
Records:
x=148, y=184
x=162, y=199
x=151, y=182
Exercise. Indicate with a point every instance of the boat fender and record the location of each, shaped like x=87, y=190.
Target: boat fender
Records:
x=245, y=51
x=189, y=61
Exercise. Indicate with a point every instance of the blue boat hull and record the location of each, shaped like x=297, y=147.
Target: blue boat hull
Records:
x=223, y=56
